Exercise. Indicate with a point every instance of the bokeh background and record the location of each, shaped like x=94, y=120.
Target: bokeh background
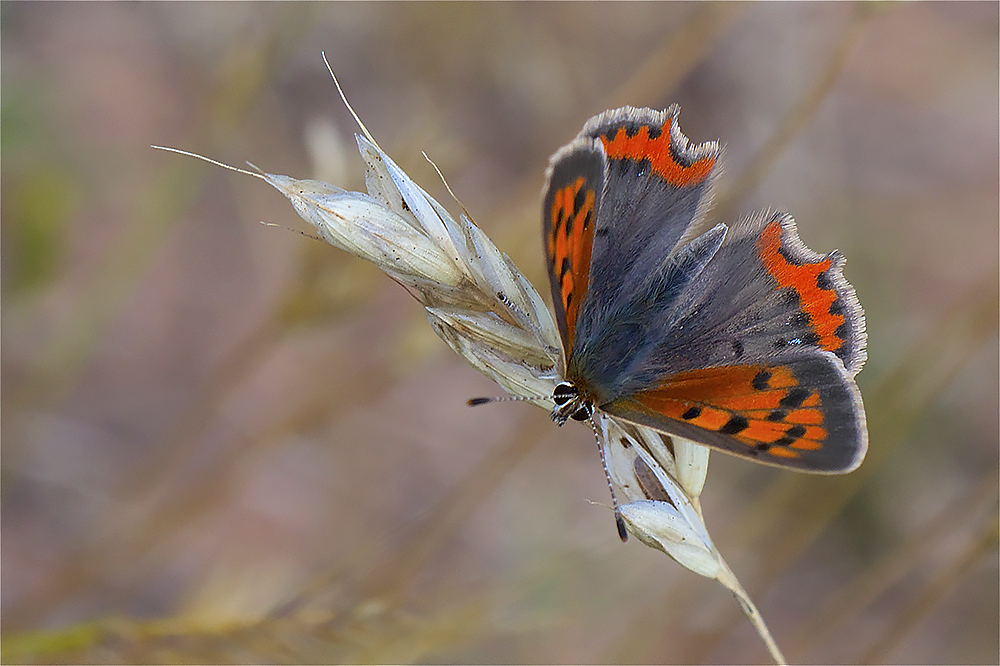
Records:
x=227, y=442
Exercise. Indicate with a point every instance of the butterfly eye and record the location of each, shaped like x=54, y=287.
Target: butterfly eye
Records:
x=563, y=393
x=584, y=413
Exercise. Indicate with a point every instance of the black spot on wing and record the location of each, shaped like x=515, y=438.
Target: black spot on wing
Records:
x=734, y=425
x=760, y=380
x=795, y=398
x=692, y=413
x=580, y=198
x=777, y=416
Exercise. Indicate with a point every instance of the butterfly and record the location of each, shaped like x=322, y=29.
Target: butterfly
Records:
x=739, y=337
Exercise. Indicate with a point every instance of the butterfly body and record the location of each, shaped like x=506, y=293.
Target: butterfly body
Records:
x=737, y=337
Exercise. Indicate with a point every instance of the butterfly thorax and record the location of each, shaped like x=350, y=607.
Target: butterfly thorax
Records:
x=571, y=403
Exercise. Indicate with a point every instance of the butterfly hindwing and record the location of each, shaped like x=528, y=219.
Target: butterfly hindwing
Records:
x=801, y=411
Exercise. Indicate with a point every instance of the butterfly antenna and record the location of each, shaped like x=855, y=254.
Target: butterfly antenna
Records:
x=619, y=521
x=368, y=135
x=475, y=402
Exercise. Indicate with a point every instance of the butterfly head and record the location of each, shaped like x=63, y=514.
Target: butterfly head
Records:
x=570, y=404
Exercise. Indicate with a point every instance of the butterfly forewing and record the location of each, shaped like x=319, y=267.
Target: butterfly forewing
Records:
x=658, y=187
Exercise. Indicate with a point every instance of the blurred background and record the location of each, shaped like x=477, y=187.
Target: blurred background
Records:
x=227, y=442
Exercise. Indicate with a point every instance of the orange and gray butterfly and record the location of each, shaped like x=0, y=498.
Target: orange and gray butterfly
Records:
x=741, y=338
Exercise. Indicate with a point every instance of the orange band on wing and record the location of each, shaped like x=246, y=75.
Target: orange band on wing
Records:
x=763, y=407
x=814, y=300
x=640, y=147
x=570, y=243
